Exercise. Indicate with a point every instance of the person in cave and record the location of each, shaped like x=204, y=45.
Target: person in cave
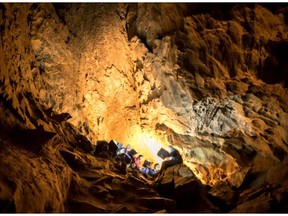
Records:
x=127, y=148
x=173, y=159
x=123, y=150
x=124, y=158
x=137, y=161
x=119, y=145
x=153, y=172
x=146, y=168
x=127, y=156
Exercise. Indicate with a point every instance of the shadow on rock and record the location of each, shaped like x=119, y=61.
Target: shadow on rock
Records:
x=180, y=184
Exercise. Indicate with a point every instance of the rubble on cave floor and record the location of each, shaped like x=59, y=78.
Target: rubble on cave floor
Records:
x=60, y=177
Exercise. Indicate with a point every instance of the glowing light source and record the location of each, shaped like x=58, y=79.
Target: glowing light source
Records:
x=148, y=144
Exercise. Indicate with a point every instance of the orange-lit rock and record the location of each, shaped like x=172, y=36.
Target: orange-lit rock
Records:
x=209, y=79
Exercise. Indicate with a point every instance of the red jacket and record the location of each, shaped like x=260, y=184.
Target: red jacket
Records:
x=137, y=162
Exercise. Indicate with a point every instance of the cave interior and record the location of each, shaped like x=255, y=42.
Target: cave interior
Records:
x=208, y=79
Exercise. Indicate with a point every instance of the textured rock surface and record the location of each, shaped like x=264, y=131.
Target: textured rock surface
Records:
x=179, y=182
x=213, y=83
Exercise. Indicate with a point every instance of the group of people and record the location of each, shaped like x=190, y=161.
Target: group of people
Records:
x=127, y=155
x=128, y=158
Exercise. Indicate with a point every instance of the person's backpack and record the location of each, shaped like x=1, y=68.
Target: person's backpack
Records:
x=101, y=146
x=112, y=147
x=162, y=153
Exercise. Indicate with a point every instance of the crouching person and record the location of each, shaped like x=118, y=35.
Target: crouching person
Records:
x=137, y=161
x=173, y=159
x=146, y=169
x=155, y=170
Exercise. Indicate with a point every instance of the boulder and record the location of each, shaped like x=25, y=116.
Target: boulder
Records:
x=260, y=204
x=223, y=196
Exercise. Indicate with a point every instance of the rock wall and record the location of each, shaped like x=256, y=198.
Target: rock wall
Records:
x=214, y=85
x=205, y=89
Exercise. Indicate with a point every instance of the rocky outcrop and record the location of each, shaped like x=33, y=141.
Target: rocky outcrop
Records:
x=211, y=100
x=51, y=169
x=179, y=182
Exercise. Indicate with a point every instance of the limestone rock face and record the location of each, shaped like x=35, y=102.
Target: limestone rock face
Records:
x=212, y=83
x=87, y=74
x=206, y=91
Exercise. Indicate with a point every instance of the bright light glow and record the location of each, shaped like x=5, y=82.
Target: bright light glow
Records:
x=148, y=144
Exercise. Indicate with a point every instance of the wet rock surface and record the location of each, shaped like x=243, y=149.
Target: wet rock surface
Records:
x=214, y=85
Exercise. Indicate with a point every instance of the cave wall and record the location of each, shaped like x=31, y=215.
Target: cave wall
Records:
x=198, y=80
x=206, y=88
